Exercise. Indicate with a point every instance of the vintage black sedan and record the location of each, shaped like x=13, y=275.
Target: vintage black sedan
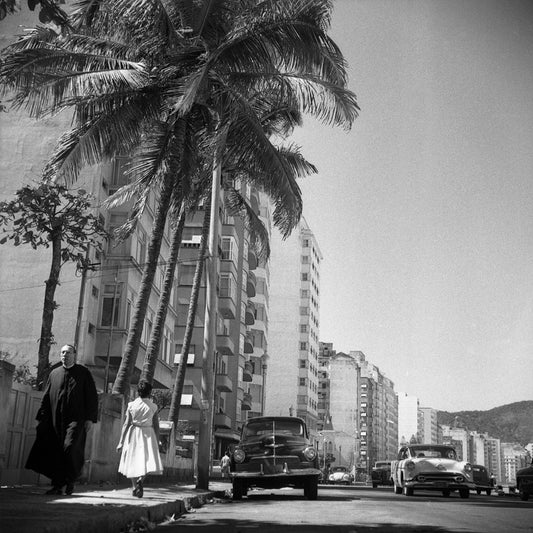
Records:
x=275, y=452
x=482, y=480
x=524, y=482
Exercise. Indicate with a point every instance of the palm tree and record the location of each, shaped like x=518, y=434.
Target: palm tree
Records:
x=135, y=70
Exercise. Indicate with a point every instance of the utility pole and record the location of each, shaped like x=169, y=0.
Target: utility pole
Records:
x=210, y=322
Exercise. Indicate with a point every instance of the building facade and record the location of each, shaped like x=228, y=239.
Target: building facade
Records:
x=292, y=376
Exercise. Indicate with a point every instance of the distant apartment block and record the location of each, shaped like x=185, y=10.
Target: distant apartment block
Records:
x=429, y=429
x=294, y=325
x=408, y=418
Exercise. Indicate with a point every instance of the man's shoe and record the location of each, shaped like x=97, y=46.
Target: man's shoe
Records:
x=69, y=489
x=54, y=490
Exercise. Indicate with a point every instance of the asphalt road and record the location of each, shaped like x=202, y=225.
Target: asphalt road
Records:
x=357, y=510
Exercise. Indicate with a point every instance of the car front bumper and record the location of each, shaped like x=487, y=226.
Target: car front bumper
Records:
x=288, y=473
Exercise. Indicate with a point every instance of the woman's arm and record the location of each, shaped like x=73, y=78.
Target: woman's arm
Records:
x=125, y=426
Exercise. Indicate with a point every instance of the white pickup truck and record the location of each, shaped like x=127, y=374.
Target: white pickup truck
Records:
x=431, y=467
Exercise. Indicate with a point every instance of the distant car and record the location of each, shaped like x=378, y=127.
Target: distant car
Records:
x=381, y=474
x=524, y=482
x=340, y=475
x=482, y=480
x=274, y=452
x=431, y=467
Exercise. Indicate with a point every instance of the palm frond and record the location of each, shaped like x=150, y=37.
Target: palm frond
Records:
x=259, y=237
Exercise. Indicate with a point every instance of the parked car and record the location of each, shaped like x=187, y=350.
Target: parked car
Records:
x=381, y=473
x=524, y=482
x=274, y=452
x=482, y=479
x=431, y=467
x=340, y=475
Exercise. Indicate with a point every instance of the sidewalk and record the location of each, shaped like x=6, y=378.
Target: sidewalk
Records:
x=95, y=509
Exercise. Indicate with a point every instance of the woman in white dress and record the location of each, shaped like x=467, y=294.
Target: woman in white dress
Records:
x=139, y=440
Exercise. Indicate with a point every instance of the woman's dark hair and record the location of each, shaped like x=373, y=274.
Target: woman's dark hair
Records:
x=144, y=388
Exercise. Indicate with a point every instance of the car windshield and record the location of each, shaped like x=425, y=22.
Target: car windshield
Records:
x=433, y=452
x=339, y=469
x=382, y=464
x=267, y=427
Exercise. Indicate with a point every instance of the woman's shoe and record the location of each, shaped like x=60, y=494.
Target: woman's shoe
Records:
x=138, y=488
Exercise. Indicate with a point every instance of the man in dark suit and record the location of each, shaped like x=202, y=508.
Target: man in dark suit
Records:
x=68, y=409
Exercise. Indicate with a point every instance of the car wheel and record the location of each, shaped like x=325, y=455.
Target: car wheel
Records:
x=524, y=496
x=489, y=492
x=408, y=491
x=478, y=491
x=464, y=493
x=374, y=485
x=311, y=488
x=238, y=489
x=446, y=493
x=397, y=490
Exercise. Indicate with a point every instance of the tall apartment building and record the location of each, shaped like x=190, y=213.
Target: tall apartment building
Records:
x=408, y=418
x=242, y=324
x=292, y=376
x=378, y=412
x=360, y=403
x=429, y=429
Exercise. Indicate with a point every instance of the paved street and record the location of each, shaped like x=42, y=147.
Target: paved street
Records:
x=358, y=510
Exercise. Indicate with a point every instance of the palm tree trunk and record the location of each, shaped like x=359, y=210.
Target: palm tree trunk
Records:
x=174, y=411
x=49, y=306
x=154, y=344
x=127, y=364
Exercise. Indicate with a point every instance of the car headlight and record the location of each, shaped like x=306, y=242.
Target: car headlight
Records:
x=239, y=455
x=310, y=454
x=468, y=467
x=346, y=477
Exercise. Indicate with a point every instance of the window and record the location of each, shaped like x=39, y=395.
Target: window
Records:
x=110, y=306
x=305, y=259
x=140, y=255
x=228, y=249
x=227, y=287
x=186, y=274
x=304, y=293
x=303, y=328
x=303, y=363
x=303, y=345
x=94, y=291
x=305, y=276
x=306, y=243
x=304, y=311
x=303, y=382
x=91, y=329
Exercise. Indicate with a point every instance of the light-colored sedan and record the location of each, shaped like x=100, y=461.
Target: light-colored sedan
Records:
x=340, y=475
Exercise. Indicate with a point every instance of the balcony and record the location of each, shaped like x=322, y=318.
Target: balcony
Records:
x=223, y=383
x=222, y=421
x=252, y=259
x=226, y=307
x=251, y=284
x=225, y=345
x=248, y=343
x=246, y=402
x=249, y=315
x=248, y=371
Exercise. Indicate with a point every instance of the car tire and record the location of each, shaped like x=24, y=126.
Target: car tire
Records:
x=238, y=489
x=478, y=491
x=311, y=488
x=397, y=489
x=446, y=493
x=374, y=485
x=464, y=493
x=408, y=491
x=489, y=492
x=524, y=495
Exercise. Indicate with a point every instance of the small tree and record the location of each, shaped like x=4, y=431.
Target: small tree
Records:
x=50, y=215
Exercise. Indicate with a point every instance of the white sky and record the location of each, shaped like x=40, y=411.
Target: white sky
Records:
x=424, y=211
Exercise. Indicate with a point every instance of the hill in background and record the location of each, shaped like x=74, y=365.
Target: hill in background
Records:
x=509, y=423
